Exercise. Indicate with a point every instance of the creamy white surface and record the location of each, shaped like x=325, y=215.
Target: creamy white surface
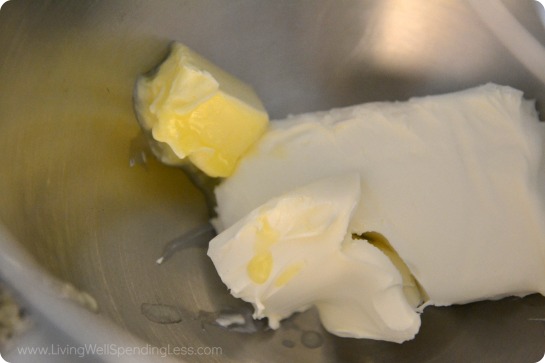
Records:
x=454, y=182
x=357, y=290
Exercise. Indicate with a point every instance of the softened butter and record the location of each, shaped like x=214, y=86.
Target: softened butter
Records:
x=195, y=111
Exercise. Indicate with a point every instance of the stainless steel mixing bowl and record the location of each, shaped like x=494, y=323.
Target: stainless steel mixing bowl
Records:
x=70, y=198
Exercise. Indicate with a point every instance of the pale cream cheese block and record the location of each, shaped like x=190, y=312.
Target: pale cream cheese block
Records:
x=454, y=182
x=296, y=251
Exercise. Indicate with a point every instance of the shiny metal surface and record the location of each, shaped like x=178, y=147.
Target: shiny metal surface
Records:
x=67, y=132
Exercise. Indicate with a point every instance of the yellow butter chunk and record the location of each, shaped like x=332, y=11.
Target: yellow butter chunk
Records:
x=198, y=112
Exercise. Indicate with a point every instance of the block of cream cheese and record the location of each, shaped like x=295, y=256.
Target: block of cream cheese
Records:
x=296, y=251
x=195, y=110
x=454, y=182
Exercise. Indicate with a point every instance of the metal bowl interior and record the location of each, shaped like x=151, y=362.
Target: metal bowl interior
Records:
x=70, y=196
